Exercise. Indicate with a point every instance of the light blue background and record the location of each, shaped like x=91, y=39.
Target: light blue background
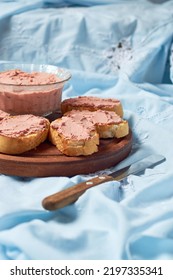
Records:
x=120, y=49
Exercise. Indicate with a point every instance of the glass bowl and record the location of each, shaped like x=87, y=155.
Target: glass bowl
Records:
x=31, y=88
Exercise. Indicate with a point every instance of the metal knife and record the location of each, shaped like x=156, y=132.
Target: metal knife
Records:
x=70, y=195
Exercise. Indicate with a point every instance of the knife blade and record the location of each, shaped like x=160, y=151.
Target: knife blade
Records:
x=71, y=194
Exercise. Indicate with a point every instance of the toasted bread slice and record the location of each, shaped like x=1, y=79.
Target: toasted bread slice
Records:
x=107, y=123
x=92, y=104
x=73, y=138
x=22, y=133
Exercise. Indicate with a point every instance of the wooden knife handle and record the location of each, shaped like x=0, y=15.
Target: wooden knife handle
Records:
x=70, y=195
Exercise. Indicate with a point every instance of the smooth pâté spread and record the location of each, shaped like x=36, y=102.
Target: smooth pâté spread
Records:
x=69, y=128
x=18, y=77
x=17, y=126
x=96, y=117
x=92, y=103
x=3, y=115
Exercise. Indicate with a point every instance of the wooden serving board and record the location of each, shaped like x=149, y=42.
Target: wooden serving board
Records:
x=46, y=160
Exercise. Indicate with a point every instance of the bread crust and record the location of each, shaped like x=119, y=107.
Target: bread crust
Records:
x=71, y=146
x=113, y=130
x=14, y=145
x=92, y=104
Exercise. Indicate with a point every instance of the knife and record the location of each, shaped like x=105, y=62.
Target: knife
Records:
x=70, y=195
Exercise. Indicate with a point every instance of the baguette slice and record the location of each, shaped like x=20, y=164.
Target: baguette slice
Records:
x=92, y=104
x=22, y=133
x=107, y=123
x=73, y=138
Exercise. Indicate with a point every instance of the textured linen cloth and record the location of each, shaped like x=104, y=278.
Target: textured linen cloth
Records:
x=117, y=49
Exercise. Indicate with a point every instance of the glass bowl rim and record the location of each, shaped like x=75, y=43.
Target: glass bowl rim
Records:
x=67, y=74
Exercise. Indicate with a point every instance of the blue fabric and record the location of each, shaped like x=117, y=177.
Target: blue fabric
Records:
x=120, y=49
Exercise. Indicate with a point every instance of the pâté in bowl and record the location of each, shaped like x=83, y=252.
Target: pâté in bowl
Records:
x=31, y=88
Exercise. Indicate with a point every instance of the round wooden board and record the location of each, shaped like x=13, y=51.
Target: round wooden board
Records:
x=46, y=160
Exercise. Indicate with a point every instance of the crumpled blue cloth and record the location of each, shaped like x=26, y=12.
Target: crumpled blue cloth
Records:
x=127, y=54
